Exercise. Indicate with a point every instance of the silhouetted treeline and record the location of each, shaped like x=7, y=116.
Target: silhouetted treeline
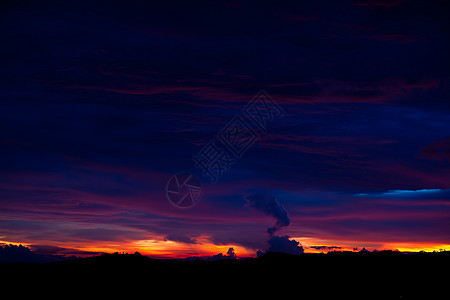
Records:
x=370, y=275
x=22, y=254
x=13, y=253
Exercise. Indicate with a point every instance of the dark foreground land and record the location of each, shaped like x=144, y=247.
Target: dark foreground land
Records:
x=382, y=275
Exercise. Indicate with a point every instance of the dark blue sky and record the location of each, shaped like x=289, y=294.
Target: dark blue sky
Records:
x=101, y=103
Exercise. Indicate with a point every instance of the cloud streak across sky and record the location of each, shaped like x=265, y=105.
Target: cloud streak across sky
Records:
x=100, y=105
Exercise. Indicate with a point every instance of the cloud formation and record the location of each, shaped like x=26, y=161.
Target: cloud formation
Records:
x=270, y=206
x=283, y=244
x=18, y=253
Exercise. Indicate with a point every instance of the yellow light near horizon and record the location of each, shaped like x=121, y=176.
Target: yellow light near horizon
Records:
x=349, y=245
x=161, y=248
x=14, y=243
x=416, y=247
x=171, y=249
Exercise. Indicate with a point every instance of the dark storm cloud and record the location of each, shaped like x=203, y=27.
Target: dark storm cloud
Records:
x=38, y=253
x=284, y=244
x=270, y=206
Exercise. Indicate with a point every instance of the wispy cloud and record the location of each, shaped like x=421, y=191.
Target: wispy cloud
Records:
x=405, y=193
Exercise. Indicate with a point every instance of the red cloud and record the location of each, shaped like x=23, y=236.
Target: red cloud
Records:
x=438, y=150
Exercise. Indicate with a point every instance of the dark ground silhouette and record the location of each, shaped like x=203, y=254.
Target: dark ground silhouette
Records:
x=376, y=275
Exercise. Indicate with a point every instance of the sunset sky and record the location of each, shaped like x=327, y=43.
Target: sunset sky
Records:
x=102, y=103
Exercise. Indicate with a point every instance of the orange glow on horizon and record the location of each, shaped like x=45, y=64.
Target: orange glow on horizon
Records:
x=411, y=247
x=307, y=242
x=170, y=249
x=160, y=248
x=14, y=243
